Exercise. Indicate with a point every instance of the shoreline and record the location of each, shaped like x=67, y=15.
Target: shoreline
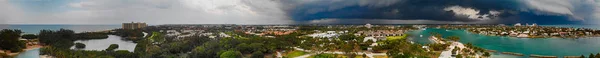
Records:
x=27, y=48
x=536, y=37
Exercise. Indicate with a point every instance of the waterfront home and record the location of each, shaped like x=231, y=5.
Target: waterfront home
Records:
x=513, y=34
x=523, y=35
x=504, y=33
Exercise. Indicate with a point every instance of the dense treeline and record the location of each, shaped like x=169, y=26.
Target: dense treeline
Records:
x=62, y=38
x=92, y=35
x=403, y=49
x=9, y=40
x=29, y=36
x=60, y=41
x=67, y=53
x=204, y=47
x=129, y=34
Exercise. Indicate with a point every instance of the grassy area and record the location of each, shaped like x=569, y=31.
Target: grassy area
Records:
x=156, y=37
x=322, y=56
x=333, y=56
x=396, y=37
x=295, y=53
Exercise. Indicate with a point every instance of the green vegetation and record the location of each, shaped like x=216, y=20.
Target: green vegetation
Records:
x=231, y=54
x=324, y=56
x=66, y=53
x=92, y=35
x=396, y=37
x=62, y=38
x=79, y=45
x=158, y=45
x=402, y=49
x=112, y=47
x=453, y=38
x=295, y=53
x=29, y=36
x=258, y=55
x=9, y=40
x=591, y=55
x=156, y=37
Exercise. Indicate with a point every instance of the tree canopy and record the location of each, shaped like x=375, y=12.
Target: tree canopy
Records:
x=79, y=45
x=29, y=36
x=9, y=40
x=231, y=54
x=112, y=47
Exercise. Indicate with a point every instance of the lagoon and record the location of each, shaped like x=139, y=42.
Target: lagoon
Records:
x=101, y=44
x=539, y=46
x=33, y=53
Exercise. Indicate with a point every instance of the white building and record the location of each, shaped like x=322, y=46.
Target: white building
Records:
x=533, y=25
x=328, y=34
x=518, y=24
x=368, y=25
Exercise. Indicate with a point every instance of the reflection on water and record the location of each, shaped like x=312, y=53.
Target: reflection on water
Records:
x=34, y=53
x=101, y=44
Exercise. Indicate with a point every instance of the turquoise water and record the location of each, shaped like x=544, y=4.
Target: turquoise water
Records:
x=34, y=53
x=538, y=46
x=34, y=29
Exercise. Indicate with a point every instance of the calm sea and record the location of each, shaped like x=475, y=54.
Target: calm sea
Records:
x=34, y=29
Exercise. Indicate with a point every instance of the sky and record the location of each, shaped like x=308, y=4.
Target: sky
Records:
x=300, y=11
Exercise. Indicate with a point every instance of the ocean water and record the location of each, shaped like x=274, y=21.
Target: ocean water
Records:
x=34, y=29
x=527, y=46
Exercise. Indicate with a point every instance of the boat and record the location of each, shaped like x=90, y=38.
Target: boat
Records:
x=421, y=35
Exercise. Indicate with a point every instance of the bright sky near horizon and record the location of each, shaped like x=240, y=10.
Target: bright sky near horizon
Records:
x=300, y=11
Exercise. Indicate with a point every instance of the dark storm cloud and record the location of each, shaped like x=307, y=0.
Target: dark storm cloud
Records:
x=511, y=11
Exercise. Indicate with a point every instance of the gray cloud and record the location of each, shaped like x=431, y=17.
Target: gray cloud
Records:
x=394, y=21
x=576, y=9
x=157, y=12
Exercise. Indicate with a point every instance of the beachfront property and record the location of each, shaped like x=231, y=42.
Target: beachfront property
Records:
x=134, y=25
